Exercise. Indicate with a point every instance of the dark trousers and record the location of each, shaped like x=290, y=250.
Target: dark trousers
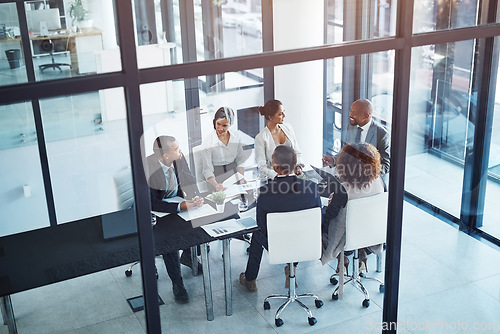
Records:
x=173, y=265
x=254, y=257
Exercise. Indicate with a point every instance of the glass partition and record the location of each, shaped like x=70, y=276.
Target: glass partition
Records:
x=72, y=38
x=439, y=127
x=87, y=150
x=433, y=15
x=12, y=68
x=20, y=172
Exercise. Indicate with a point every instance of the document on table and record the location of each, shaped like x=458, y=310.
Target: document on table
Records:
x=203, y=211
x=160, y=214
x=232, y=179
x=226, y=227
x=233, y=191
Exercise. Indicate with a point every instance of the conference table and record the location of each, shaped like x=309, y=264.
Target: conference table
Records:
x=49, y=255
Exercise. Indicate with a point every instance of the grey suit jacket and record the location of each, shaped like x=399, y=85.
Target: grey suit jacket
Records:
x=377, y=136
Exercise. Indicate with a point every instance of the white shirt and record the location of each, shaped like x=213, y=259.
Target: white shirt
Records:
x=265, y=145
x=216, y=153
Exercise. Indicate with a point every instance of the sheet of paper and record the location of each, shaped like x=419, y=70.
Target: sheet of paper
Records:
x=232, y=179
x=324, y=201
x=223, y=227
x=234, y=190
x=160, y=214
x=202, y=211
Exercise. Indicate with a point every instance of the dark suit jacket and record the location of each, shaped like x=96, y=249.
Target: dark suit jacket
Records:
x=157, y=184
x=284, y=194
x=377, y=136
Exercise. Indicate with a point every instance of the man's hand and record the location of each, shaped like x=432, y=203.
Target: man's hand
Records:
x=298, y=169
x=330, y=198
x=328, y=160
x=198, y=201
x=192, y=203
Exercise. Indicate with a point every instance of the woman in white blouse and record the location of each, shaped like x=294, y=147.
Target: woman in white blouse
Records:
x=274, y=134
x=222, y=153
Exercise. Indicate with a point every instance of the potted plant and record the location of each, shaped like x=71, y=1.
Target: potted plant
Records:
x=218, y=198
x=79, y=14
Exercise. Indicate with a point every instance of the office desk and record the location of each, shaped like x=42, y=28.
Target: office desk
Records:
x=81, y=46
x=36, y=258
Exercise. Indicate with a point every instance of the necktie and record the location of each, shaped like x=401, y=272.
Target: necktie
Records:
x=171, y=184
x=357, y=140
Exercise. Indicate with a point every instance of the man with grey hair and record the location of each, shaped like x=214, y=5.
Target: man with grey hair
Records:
x=363, y=129
x=283, y=194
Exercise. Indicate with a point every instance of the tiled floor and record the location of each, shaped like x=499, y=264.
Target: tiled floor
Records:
x=448, y=281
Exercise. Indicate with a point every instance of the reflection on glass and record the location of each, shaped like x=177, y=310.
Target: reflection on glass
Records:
x=431, y=15
x=439, y=126
x=378, y=85
x=362, y=20
x=87, y=146
x=20, y=172
x=72, y=38
x=12, y=69
x=491, y=207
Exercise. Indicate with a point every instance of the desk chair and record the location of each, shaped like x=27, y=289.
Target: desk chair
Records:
x=366, y=225
x=294, y=237
x=47, y=46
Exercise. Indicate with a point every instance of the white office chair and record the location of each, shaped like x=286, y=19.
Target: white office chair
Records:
x=366, y=225
x=294, y=237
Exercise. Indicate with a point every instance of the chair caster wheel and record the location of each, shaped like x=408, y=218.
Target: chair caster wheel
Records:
x=381, y=288
x=318, y=303
x=267, y=306
x=366, y=303
x=278, y=322
x=248, y=249
x=333, y=280
x=128, y=272
x=312, y=321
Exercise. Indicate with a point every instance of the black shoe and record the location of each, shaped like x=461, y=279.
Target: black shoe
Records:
x=180, y=293
x=186, y=260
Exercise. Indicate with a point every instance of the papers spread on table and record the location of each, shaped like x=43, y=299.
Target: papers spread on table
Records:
x=232, y=179
x=202, y=211
x=160, y=214
x=234, y=190
x=229, y=226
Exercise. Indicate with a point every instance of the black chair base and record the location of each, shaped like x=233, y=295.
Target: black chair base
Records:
x=54, y=66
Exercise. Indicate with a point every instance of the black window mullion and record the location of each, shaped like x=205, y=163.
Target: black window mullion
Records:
x=141, y=189
x=25, y=41
x=402, y=68
x=481, y=118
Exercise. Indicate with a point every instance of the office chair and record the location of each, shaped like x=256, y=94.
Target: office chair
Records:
x=294, y=237
x=366, y=225
x=47, y=46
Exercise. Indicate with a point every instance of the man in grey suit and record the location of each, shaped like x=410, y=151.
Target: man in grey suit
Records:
x=363, y=129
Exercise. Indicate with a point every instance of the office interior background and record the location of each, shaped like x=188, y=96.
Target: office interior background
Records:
x=133, y=70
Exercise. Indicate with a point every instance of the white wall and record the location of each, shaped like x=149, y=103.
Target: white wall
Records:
x=299, y=24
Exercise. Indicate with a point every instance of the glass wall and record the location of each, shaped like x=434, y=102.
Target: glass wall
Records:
x=12, y=69
x=71, y=38
x=490, y=223
x=439, y=126
x=21, y=172
x=444, y=15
